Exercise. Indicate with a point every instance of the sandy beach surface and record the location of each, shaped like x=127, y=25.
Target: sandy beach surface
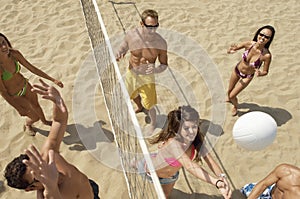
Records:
x=52, y=36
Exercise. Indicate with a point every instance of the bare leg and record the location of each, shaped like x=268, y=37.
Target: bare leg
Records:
x=167, y=188
x=232, y=82
x=152, y=114
x=236, y=85
x=30, y=119
x=33, y=100
x=138, y=102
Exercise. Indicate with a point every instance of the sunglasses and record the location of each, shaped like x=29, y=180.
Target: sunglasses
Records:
x=151, y=26
x=265, y=36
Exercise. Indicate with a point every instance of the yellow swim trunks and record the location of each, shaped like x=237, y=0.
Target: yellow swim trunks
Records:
x=143, y=85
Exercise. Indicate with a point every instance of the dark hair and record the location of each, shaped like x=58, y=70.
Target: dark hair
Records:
x=174, y=124
x=149, y=13
x=15, y=171
x=2, y=35
x=271, y=38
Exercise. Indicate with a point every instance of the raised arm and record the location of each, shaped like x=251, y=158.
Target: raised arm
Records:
x=270, y=179
x=235, y=47
x=60, y=116
x=18, y=55
x=45, y=172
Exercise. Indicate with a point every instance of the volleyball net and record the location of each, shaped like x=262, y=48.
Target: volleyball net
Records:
x=125, y=127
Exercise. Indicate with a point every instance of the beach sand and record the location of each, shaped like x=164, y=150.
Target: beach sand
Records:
x=52, y=35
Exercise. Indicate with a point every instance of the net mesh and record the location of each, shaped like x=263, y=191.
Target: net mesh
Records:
x=125, y=127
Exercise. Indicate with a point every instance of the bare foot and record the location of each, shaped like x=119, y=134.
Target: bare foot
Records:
x=234, y=111
x=29, y=130
x=139, y=110
x=227, y=100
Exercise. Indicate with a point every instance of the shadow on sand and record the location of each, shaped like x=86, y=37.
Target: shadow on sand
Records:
x=280, y=115
x=177, y=194
x=84, y=138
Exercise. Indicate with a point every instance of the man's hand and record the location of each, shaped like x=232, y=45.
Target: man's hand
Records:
x=50, y=93
x=45, y=173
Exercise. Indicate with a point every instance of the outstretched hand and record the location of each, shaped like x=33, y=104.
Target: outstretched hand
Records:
x=50, y=93
x=232, y=49
x=45, y=173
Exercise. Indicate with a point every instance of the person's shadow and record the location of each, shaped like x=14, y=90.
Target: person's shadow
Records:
x=208, y=127
x=84, y=138
x=2, y=186
x=280, y=115
x=177, y=194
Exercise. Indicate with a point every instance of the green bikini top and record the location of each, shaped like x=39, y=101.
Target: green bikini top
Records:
x=6, y=75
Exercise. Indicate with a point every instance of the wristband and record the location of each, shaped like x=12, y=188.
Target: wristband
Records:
x=218, y=182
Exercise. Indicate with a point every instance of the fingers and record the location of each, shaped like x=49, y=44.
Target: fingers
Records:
x=40, y=89
x=43, y=83
x=33, y=154
x=51, y=157
x=35, y=159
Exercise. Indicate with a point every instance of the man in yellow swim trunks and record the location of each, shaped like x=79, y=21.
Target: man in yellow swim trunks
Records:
x=145, y=46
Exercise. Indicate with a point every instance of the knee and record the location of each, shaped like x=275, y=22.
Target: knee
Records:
x=33, y=117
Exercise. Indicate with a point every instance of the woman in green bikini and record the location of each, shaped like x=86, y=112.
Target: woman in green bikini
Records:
x=16, y=89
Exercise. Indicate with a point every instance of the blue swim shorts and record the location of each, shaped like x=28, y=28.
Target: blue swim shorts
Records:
x=267, y=194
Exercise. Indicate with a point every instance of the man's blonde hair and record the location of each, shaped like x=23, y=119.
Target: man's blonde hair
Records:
x=149, y=13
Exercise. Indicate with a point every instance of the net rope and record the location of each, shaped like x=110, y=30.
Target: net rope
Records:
x=125, y=127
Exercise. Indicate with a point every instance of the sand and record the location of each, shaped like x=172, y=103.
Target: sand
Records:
x=52, y=35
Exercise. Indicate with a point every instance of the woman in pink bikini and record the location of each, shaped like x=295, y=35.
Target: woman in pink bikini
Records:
x=179, y=145
x=256, y=53
x=16, y=89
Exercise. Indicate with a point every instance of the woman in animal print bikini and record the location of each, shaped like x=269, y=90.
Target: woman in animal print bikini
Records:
x=257, y=52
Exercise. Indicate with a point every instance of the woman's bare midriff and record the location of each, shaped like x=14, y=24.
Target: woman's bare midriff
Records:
x=245, y=68
x=15, y=84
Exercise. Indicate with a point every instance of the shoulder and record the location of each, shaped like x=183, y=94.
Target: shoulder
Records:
x=16, y=53
x=248, y=44
x=285, y=167
x=132, y=33
x=161, y=39
x=266, y=52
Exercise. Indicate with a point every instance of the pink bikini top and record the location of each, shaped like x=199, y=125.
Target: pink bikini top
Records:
x=175, y=163
x=255, y=64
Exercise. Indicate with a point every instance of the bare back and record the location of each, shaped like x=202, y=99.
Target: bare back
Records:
x=74, y=184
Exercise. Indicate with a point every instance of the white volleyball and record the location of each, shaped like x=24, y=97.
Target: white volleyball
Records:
x=254, y=130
